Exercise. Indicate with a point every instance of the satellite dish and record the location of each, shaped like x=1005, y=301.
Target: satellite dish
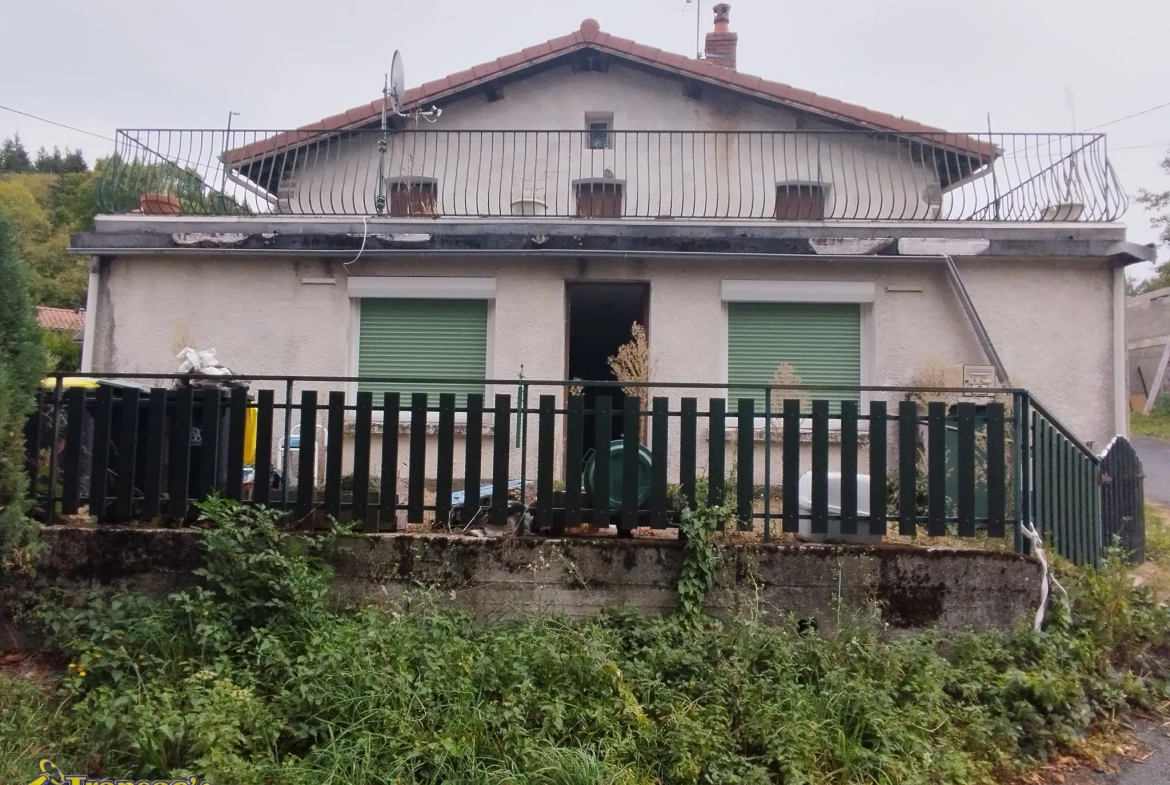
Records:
x=932, y=194
x=397, y=87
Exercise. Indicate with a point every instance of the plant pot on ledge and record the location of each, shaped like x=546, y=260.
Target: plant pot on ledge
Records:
x=159, y=204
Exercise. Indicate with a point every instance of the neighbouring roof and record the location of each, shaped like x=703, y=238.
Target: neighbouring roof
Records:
x=590, y=36
x=61, y=319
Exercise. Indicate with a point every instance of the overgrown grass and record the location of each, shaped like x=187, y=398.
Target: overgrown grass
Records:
x=1155, y=573
x=255, y=679
x=1157, y=534
x=32, y=727
x=1156, y=424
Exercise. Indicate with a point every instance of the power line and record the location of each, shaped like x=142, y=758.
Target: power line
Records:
x=1140, y=146
x=1018, y=153
x=53, y=122
x=1130, y=116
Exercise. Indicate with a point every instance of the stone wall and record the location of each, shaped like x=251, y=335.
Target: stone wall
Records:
x=890, y=587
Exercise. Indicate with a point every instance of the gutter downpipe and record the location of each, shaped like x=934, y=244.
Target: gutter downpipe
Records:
x=976, y=323
x=1120, y=355
x=89, y=331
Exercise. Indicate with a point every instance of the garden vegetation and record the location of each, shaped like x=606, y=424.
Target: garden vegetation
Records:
x=254, y=677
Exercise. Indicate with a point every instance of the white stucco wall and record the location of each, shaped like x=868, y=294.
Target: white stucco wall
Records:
x=1051, y=322
x=708, y=175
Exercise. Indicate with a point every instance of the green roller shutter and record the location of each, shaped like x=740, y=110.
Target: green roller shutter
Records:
x=423, y=339
x=821, y=341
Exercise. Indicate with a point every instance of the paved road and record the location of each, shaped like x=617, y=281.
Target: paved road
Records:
x=1155, y=455
x=1150, y=738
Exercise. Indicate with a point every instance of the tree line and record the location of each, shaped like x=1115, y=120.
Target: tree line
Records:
x=47, y=198
x=1159, y=204
x=14, y=159
x=44, y=198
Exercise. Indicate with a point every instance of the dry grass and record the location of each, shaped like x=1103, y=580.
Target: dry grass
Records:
x=632, y=362
x=785, y=374
x=1155, y=573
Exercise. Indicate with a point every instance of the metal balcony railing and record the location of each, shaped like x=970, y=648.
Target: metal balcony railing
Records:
x=600, y=174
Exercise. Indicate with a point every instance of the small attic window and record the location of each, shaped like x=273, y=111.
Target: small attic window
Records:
x=599, y=125
x=412, y=197
x=800, y=202
x=599, y=198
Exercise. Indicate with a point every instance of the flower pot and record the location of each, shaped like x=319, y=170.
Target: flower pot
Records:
x=159, y=204
x=1063, y=211
x=529, y=206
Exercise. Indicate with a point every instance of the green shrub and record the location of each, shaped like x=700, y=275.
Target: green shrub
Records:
x=894, y=495
x=22, y=366
x=348, y=484
x=252, y=678
x=63, y=354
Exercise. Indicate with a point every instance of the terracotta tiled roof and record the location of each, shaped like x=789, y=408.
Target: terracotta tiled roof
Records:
x=590, y=36
x=60, y=319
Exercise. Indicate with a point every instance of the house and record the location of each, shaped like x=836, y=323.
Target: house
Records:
x=69, y=324
x=65, y=320
x=1148, y=338
x=589, y=182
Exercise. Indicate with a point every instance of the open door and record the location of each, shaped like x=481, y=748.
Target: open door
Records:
x=600, y=317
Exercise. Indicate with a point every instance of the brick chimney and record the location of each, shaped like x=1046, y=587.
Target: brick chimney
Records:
x=721, y=43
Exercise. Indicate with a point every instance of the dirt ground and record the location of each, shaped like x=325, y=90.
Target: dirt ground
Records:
x=1139, y=755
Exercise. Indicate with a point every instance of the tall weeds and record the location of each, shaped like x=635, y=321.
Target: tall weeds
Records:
x=253, y=678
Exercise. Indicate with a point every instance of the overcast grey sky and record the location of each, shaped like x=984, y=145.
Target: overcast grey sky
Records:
x=159, y=63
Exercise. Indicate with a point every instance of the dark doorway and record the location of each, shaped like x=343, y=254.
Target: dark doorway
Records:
x=600, y=318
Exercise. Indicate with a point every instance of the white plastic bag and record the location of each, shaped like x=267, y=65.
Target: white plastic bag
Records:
x=203, y=363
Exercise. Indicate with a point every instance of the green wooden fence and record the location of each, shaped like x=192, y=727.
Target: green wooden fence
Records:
x=1066, y=493
x=953, y=465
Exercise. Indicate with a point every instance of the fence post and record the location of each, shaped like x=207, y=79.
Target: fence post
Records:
x=1023, y=489
x=767, y=464
x=51, y=509
x=286, y=450
x=522, y=436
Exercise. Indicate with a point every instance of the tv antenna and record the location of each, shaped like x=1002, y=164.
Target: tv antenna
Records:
x=698, y=27
x=393, y=93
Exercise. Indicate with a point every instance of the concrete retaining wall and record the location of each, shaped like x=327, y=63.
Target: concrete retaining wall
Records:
x=893, y=588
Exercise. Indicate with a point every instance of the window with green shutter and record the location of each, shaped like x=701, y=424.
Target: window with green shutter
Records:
x=423, y=339
x=821, y=341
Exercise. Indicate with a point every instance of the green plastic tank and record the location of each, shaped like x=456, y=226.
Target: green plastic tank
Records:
x=616, y=452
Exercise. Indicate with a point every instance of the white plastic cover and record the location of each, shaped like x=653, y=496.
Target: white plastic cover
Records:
x=203, y=363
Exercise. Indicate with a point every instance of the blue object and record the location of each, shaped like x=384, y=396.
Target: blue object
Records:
x=485, y=492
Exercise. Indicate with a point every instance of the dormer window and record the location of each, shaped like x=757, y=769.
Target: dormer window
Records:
x=600, y=128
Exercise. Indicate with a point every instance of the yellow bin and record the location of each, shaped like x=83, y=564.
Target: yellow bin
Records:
x=68, y=382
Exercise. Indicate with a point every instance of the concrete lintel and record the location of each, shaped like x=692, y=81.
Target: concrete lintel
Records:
x=623, y=227
x=208, y=239
x=849, y=246
x=681, y=244
x=943, y=246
